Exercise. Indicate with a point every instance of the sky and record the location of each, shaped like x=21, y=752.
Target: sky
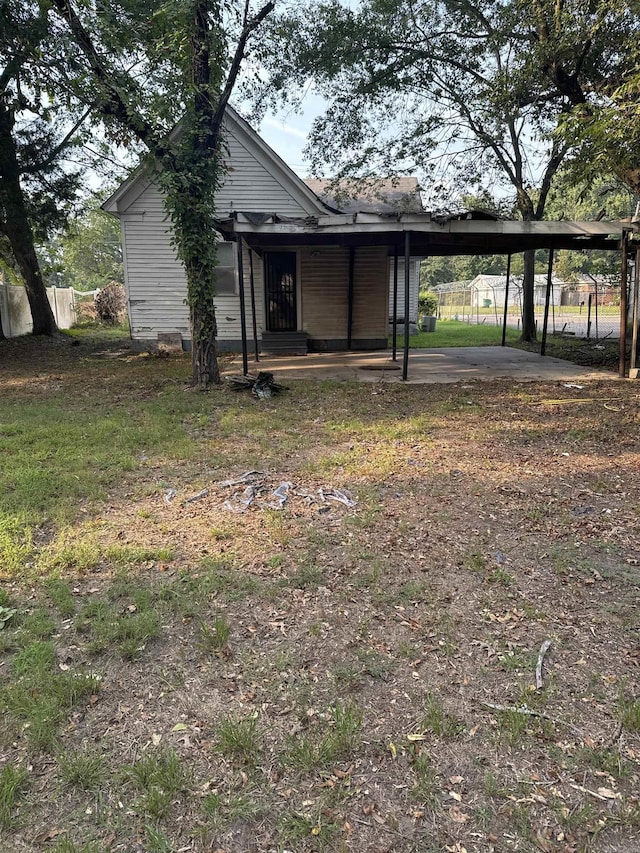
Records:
x=287, y=132
x=287, y=136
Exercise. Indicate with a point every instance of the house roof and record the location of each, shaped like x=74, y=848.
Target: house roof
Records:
x=370, y=195
x=140, y=179
x=486, y=280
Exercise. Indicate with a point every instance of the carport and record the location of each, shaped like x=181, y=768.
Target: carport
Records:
x=404, y=235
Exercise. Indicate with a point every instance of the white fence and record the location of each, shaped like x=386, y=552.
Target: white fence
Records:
x=16, y=314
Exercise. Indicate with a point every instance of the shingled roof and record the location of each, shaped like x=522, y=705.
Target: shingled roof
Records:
x=369, y=195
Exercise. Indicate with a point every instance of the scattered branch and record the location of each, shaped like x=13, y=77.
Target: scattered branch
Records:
x=544, y=648
x=529, y=712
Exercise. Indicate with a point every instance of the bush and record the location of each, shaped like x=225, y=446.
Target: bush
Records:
x=427, y=304
x=110, y=303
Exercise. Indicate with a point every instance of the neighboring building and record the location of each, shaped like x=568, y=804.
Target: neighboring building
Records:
x=488, y=291
x=302, y=294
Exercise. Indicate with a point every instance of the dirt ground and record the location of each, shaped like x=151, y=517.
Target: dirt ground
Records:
x=377, y=688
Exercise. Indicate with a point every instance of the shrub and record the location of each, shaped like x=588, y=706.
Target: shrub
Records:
x=110, y=302
x=427, y=304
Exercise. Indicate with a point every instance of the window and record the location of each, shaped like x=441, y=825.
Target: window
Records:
x=226, y=277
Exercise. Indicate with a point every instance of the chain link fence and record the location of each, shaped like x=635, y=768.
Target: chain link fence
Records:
x=587, y=310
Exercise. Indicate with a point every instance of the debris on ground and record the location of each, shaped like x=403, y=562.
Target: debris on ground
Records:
x=263, y=386
x=243, y=478
x=339, y=495
x=240, y=501
x=197, y=497
x=259, y=492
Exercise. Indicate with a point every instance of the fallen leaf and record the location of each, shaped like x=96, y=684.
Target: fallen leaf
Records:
x=47, y=836
x=457, y=815
x=155, y=739
x=609, y=794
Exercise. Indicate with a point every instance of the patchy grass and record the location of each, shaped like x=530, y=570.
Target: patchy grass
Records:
x=12, y=785
x=316, y=677
x=455, y=333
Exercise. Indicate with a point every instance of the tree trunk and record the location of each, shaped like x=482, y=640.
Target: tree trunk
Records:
x=18, y=231
x=204, y=329
x=190, y=205
x=528, y=291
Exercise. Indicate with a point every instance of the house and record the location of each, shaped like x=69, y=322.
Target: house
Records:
x=296, y=273
x=306, y=297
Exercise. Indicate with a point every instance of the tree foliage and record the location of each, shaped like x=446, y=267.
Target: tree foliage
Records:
x=87, y=255
x=589, y=53
x=38, y=124
x=466, y=91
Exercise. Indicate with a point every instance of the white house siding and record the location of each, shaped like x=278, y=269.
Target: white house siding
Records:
x=155, y=278
x=414, y=289
x=157, y=288
x=249, y=186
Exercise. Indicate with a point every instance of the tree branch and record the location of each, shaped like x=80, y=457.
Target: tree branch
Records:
x=115, y=104
x=49, y=159
x=234, y=69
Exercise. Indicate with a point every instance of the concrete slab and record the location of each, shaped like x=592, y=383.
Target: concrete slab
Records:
x=454, y=364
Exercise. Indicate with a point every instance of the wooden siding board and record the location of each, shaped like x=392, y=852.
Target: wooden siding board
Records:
x=370, y=296
x=325, y=276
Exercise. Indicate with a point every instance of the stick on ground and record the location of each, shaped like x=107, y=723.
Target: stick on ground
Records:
x=544, y=648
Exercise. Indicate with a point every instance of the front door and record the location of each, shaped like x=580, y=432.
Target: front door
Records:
x=280, y=286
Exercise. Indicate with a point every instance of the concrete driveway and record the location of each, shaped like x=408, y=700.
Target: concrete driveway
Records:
x=426, y=366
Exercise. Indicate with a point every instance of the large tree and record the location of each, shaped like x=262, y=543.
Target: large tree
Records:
x=589, y=52
x=439, y=85
x=152, y=65
x=35, y=189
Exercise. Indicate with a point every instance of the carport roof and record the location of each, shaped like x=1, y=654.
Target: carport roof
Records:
x=430, y=235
